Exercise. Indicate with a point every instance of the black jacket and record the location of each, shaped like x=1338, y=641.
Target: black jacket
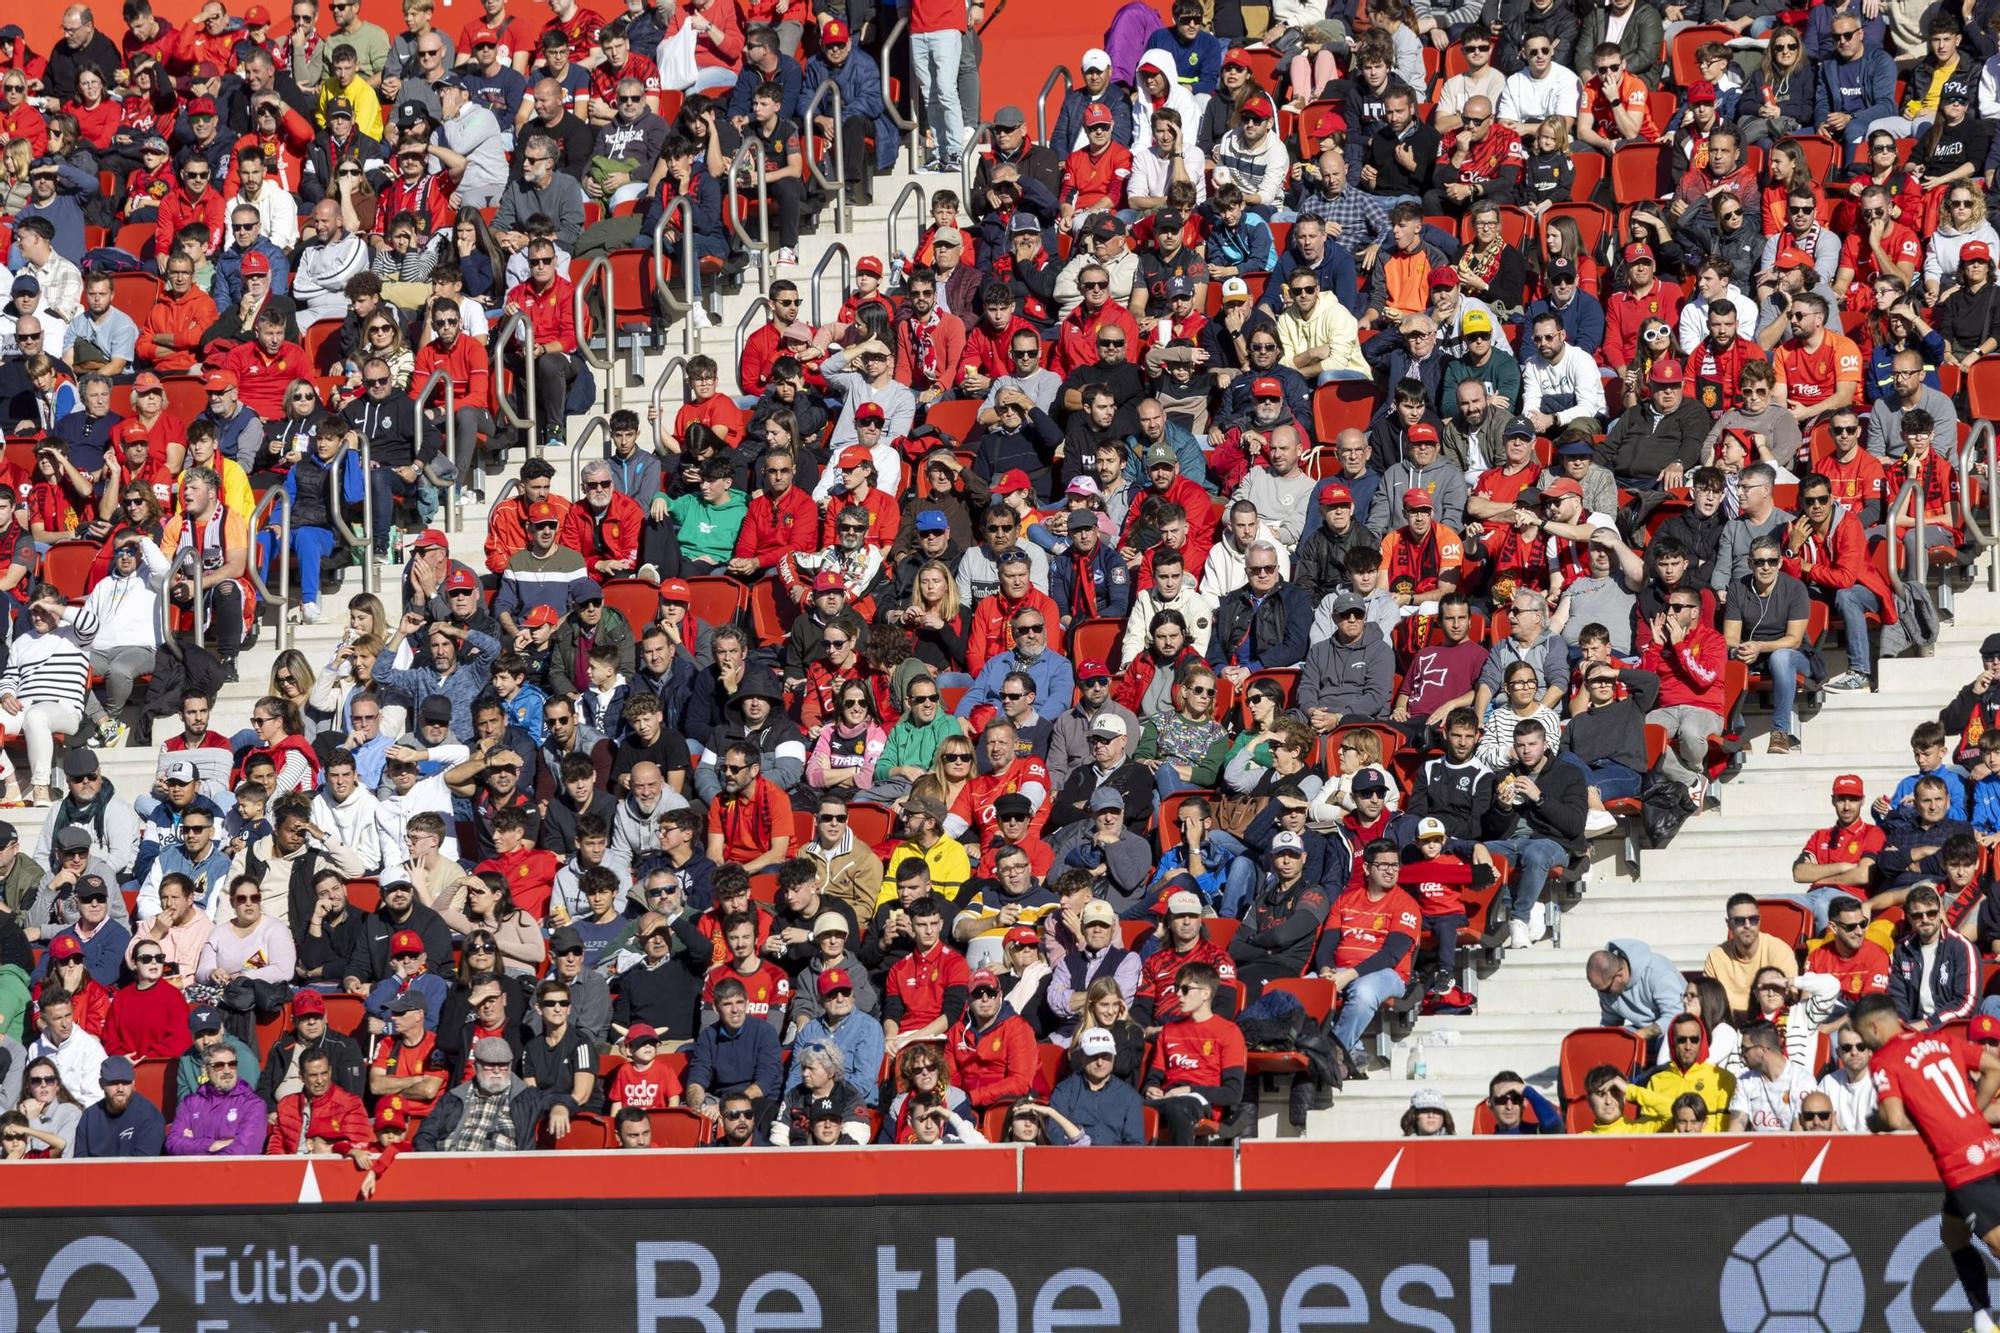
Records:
x=370, y=959
x=1280, y=627
x=350, y=1066
x=1954, y=979
x=1458, y=795
x=1558, y=815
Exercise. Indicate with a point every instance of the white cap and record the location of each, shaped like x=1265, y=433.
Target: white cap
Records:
x=1095, y=58
x=1184, y=903
x=1288, y=841
x=1097, y=912
x=1096, y=1041
x=1431, y=827
x=832, y=922
x=1108, y=723
x=1427, y=1099
x=1235, y=289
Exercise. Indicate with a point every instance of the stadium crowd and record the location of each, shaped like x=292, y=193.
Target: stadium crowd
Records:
x=1228, y=569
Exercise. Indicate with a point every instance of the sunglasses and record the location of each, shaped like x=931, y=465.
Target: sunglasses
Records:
x=143, y=959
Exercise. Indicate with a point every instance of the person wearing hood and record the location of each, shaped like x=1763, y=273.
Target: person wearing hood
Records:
x=223, y=1117
x=756, y=718
x=635, y=829
x=1636, y=988
x=494, y=1110
x=1157, y=84
x=1348, y=675
x=990, y=1050
x=1688, y=1071
x=1423, y=468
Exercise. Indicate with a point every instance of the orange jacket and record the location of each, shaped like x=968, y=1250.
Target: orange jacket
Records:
x=182, y=318
x=507, y=527
x=177, y=211
x=992, y=629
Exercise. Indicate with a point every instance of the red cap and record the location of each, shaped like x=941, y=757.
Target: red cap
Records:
x=1259, y=104
x=308, y=1004
x=983, y=977
x=641, y=1033
x=856, y=455
x=1667, y=373
x=404, y=943
x=1330, y=123
x=1423, y=431
x=544, y=511
x=460, y=578
x=541, y=615
x=1418, y=498
x=1441, y=276
x=833, y=979
x=1701, y=92
x=1975, y=250
x=389, y=1114
x=1267, y=386
x=256, y=16
x=218, y=380
x=835, y=33
x=1850, y=784
x=1097, y=114
x=1088, y=670
x=1023, y=935
x=868, y=264
x=1793, y=257
x=146, y=380
x=677, y=590
x=1983, y=1027
x=1563, y=486
x=433, y=538
x=255, y=262
x=1237, y=57
x=66, y=946
x=1333, y=492
x=1010, y=481
x=201, y=106
x=869, y=412
x=1637, y=251
x=828, y=581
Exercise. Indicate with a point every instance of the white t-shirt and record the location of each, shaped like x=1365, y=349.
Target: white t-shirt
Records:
x=1526, y=99
x=1771, y=1103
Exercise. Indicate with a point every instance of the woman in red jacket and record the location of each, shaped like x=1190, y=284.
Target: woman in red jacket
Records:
x=68, y=976
x=149, y=1018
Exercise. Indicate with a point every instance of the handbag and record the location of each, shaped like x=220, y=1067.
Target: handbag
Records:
x=1233, y=814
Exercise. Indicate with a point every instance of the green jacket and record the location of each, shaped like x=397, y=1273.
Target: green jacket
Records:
x=708, y=532
x=14, y=992
x=190, y=1076
x=911, y=744
x=564, y=644
x=26, y=876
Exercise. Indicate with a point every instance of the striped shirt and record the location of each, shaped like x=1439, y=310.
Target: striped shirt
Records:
x=53, y=668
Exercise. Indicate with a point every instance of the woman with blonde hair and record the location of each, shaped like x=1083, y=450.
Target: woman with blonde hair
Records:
x=1360, y=751
x=936, y=623
x=14, y=182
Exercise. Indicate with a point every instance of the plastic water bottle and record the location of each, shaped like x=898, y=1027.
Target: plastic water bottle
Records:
x=1420, y=1065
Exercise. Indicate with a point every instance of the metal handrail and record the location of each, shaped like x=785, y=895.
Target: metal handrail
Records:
x=505, y=493
x=1911, y=490
x=837, y=187
x=968, y=166
x=271, y=498
x=186, y=555
x=838, y=250
x=365, y=539
x=1987, y=533
x=601, y=264
x=915, y=189
x=682, y=307
x=590, y=428
x=659, y=389
x=449, y=491
x=753, y=148
x=498, y=343
x=991, y=16
x=907, y=124
x=1060, y=74
x=760, y=305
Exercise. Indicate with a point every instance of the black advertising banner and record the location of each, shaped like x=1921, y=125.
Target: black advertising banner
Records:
x=1738, y=1260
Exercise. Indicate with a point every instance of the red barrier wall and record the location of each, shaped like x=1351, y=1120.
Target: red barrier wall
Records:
x=1453, y=1164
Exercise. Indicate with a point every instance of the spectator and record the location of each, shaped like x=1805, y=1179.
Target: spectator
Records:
x=1518, y=1109
x=1198, y=1063
x=223, y=1117
x=732, y=1055
x=1746, y=951
x=494, y=1111
x=1368, y=948
x=121, y=1124
x=1858, y=964
x=1689, y=1072
x=1934, y=973
x=1636, y=988
x=1537, y=816
x=1688, y=656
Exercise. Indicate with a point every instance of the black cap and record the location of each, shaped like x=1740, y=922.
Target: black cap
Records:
x=80, y=763
x=434, y=708
x=1013, y=804
x=822, y=1108
x=92, y=888
x=1562, y=266
x=565, y=939
x=9, y=835
x=409, y=1002
x=1518, y=429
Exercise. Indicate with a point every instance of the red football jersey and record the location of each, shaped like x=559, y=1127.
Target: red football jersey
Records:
x=768, y=988
x=1365, y=925
x=1866, y=973
x=1926, y=1072
x=1843, y=844
x=1198, y=1054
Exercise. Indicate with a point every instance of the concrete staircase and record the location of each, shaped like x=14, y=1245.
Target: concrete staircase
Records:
x=1676, y=902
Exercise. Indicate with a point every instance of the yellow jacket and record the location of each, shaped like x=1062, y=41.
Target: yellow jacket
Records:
x=1622, y=1127
x=1656, y=1099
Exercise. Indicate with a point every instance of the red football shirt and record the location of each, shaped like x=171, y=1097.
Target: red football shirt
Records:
x=1198, y=1054
x=1365, y=925
x=1865, y=973
x=1926, y=1072
x=767, y=988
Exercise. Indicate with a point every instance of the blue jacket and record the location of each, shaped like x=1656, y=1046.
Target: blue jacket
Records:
x=724, y=1061
x=1582, y=320
x=1336, y=273
x=161, y=828
x=1654, y=995
x=1067, y=136
x=1108, y=575
x=350, y=475
x=1199, y=65
x=139, y=1131
x=1054, y=677
x=1113, y=1116
x=103, y=953
x=1187, y=450
x=1247, y=246
x=708, y=221
x=860, y=80
x=858, y=1038
x=1216, y=856
x=1865, y=89
x=227, y=285
x=467, y=681
x=1954, y=980
x=1954, y=782
x=789, y=77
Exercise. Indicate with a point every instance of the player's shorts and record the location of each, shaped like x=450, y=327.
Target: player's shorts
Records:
x=1976, y=1203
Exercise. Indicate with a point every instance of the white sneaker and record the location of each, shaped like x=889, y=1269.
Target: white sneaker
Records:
x=1698, y=792
x=699, y=317
x=1848, y=680
x=309, y=613
x=785, y=256
x=1538, y=924
x=1599, y=823
x=1517, y=935
x=1982, y=1322
x=650, y=573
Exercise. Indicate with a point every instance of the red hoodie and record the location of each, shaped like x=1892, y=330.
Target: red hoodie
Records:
x=1690, y=671
x=774, y=529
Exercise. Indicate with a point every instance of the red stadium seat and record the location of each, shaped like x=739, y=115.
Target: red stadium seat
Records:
x=955, y=417
x=587, y=1133
x=871, y=824
x=66, y=567
x=677, y=1127
x=1593, y=223
x=1095, y=640
x=1589, y=175
x=150, y=1079
x=1822, y=155
x=134, y=293
x=717, y=600
x=1683, y=46
x=1316, y=995
x=364, y=895
x=1342, y=405
x=135, y=239
x=1635, y=172
x=635, y=599
x=1586, y=1048
x=346, y=1014
x=270, y=1029
x=1051, y=1065
x=1785, y=921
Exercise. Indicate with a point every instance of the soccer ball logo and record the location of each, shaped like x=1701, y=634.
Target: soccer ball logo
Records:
x=1792, y=1274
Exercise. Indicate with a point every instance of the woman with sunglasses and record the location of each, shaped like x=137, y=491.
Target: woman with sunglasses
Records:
x=1962, y=221
x=319, y=482
x=50, y=1111
x=90, y=1000
x=848, y=745
x=485, y=902
x=1360, y=751
x=251, y=944
x=1778, y=99
x=1185, y=747
x=149, y=1016
x=920, y=1070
